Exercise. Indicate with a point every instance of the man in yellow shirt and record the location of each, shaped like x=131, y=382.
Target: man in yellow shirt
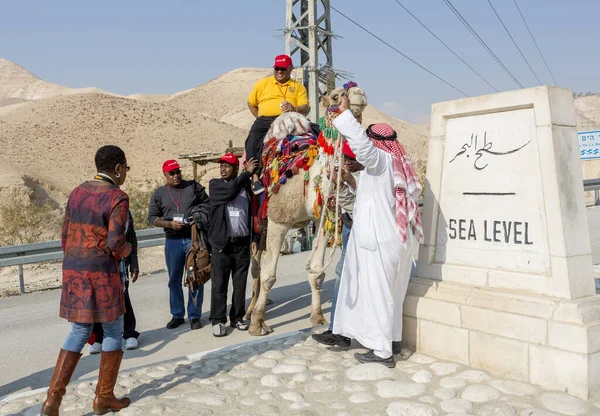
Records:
x=270, y=97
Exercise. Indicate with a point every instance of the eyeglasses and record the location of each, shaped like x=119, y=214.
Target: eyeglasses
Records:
x=279, y=69
x=174, y=172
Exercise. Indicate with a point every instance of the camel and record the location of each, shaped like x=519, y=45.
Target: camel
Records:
x=288, y=208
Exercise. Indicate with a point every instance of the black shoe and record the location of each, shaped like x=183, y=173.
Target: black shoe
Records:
x=331, y=339
x=370, y=357
x=195, y=324
x=257, y=188
x=240, y=326
x=396, y=347
x=175, y=322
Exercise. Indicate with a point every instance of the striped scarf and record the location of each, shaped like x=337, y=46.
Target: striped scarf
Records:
x=407, y=186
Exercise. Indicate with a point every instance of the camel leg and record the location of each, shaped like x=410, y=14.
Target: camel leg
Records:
x=275, y=237
x=255, y=273
x=316, y=279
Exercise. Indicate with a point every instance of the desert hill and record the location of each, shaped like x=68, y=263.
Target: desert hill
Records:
x=54, y=140
x=18, y=83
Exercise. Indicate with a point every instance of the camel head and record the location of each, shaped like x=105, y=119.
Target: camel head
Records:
x=358, y=99
x=288, y=123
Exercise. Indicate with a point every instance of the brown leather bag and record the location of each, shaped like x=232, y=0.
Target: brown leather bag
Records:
x=197, y=262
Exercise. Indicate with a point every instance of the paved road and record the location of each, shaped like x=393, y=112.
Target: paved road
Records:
x=31, y=333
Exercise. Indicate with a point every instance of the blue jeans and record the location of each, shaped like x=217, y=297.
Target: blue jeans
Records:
x=80, y=333
x=175, y=252
x=338, y=272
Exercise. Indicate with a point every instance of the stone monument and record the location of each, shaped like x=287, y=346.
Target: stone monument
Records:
x=505, y=278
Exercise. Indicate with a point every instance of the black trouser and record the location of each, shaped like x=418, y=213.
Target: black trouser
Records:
x=255, y=140
x=233, y=260
x=128, y=321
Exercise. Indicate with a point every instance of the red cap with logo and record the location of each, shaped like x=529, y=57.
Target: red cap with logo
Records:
x=282, y=61
x=346, y=151
x=170, y=165
x=229, y=158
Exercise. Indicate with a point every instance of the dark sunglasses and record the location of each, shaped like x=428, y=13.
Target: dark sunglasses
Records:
x=174, y=172
x=279, y=69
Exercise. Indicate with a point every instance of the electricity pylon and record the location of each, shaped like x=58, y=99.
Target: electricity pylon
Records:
x=308, y=38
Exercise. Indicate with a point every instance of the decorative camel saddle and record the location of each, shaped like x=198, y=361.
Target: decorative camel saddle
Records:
x=291, y=148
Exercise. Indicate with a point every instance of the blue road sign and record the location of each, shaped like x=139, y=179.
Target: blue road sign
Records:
x=589, y=145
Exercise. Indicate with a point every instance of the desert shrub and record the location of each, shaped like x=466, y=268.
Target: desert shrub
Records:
x=140, y=193
x=24, y=221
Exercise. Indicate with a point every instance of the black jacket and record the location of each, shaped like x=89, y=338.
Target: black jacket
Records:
x=221, y=192
x=131, y=261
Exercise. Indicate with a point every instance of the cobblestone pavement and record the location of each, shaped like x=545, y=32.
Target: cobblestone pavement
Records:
x=293, y=375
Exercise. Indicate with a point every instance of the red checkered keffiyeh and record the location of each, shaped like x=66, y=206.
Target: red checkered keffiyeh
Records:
x=408, y=188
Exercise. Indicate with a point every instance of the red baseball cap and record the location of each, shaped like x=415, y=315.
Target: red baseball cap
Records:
x=282, y=61
x=229, y=158
x=346, y=151
x=170, y=165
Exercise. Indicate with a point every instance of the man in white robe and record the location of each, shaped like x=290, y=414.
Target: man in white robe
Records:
x=386, y=224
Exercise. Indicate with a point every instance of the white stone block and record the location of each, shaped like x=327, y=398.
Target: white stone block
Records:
x=523, y=328
x=445, y=342
x=594, y=378
x=410, y=332
x=432, y=310
x=581, y=311
x=509, y=301
x=502, y=356
x=572, y=337
x=440, y=290
x=558, y=370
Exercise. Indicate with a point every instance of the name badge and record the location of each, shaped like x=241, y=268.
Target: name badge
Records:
x=178, y=218
x=234, y=213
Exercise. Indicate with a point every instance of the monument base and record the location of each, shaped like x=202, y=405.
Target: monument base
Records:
x=551, y=342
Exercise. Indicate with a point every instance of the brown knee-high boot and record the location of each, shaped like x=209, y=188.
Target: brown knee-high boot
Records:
x=65, y=365
x=105, y=400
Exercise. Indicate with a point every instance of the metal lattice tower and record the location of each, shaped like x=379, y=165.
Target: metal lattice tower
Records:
x=308, y=38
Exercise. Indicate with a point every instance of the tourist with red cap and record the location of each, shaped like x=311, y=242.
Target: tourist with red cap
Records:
x=177, y=206
x=270, y=97
x=386, y=226
x=350, y=173
x=231, y=238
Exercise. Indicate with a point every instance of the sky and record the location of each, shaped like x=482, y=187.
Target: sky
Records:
x=163, y=47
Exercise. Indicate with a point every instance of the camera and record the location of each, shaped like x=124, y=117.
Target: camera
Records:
x=188, y=221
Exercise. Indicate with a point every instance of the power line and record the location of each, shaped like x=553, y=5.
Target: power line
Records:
x=514, y=42
x=481, y=41
x=396, y=50
x=536, y=45
x=447, y=47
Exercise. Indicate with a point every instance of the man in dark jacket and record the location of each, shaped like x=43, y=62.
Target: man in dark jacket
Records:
x=231, y=238
x=171, y=207
x=129, y=266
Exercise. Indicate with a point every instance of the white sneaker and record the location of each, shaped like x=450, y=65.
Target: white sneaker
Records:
x=96, y=348
x=131, y=343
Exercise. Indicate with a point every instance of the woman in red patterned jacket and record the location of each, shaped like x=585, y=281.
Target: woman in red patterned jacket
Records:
x=93, y=242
